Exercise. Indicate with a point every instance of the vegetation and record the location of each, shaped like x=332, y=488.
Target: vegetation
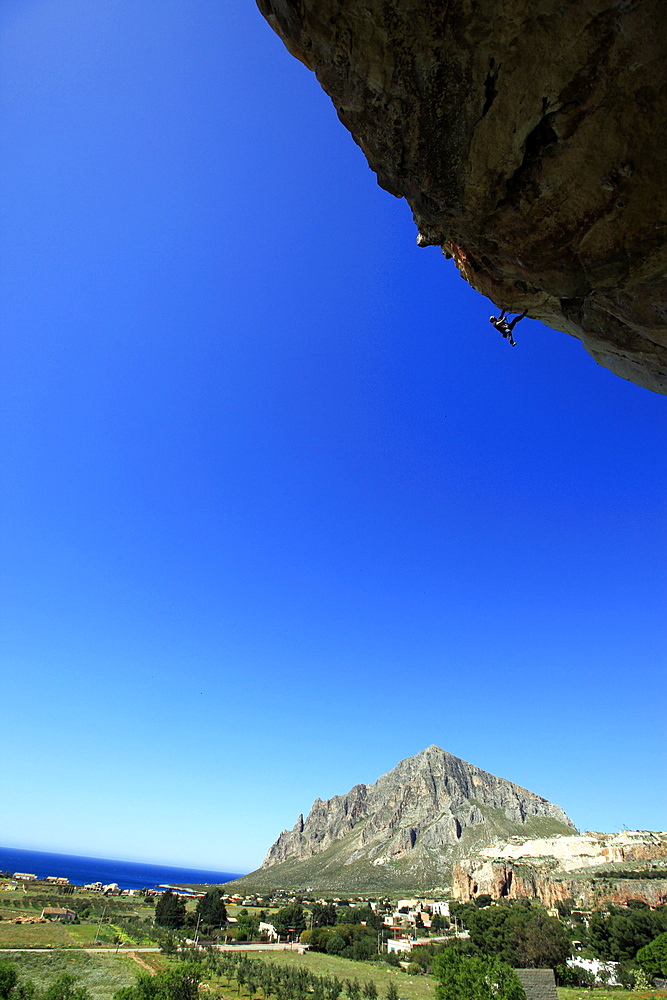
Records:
x=469, y=977
x=652, y=957
x=211, y=912
x=172, y=984
x=519, y=933
x=170, y=910
x=619, y=933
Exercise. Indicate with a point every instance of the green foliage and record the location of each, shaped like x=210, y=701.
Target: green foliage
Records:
x=170, y=910
x=8, y=979
x=323, y=914
x=174, y=984
x=392, y=992
x=522, y=935
x=66, y=987
x=358, y=915
x=567, y=975
x=483, y=900
x=469, y=977
x=653, y=957
x=348, y=940
x=289, y=920
x=211, y=910
x=619, y=934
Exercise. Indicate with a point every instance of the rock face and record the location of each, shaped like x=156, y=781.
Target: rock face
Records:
x=528, y=138
x=590, y=869
x=406, y=829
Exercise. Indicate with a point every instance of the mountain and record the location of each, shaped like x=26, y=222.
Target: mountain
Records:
x=405, y=831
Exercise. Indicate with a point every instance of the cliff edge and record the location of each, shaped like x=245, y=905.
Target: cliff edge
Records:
x=527, y=138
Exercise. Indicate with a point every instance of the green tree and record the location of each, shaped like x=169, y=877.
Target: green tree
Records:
x=653, y=957
x=170, y=910
x=540, y=942
x=323, y=914
x=211, y=910
x=8, y=978
x=290, y=920
x=468, y=977
x=174, y=984
x=66, y=987
x=391, y=992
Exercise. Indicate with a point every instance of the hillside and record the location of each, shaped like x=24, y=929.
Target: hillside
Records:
x=404, y=832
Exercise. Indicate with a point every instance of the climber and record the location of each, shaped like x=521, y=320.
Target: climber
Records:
x=504, y=327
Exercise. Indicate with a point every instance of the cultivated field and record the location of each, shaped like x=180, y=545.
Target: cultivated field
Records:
x=101, y=974
x=411, y=987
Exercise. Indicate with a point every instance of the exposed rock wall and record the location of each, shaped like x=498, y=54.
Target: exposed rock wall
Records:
x=579, y=868
x=528, y=138
x=425, y=802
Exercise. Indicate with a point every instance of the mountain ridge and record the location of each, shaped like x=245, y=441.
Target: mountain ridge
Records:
x=406, y=829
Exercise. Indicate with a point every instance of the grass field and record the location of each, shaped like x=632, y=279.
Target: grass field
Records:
x=604, y=993
x=101, y=974
x=48, y=935
x=411, y=987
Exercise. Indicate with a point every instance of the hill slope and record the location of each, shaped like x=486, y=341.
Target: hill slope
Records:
x=405, y=831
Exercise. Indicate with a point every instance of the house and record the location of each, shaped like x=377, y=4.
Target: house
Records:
x=267, y=930
x=57, y=880
x=25, y=877
x=605, y=972
x=59, y=913
x=397, y=945
x=95, y=887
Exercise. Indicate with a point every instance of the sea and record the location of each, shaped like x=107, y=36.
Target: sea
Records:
x=126, y=874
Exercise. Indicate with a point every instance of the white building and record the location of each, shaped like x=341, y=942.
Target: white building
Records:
x=608, y=970
x=441, y=908
x=398, y=945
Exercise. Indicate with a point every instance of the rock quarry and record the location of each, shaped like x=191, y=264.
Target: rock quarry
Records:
x=528, y=139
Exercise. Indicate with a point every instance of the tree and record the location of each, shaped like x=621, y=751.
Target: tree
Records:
x=170, y=910
x=391, y=992
x=323, y=914
x=8, y=979
x=290, y=920
x=173, y=984
x=211, y=910
x=468, y=977
x=653, y=957
x=540, y=942
x=483, y=900
x=66, y=987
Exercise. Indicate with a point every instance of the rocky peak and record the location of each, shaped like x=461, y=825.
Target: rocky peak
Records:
x=425, y=803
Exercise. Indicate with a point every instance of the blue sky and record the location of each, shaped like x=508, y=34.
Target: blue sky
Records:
x=279, y=507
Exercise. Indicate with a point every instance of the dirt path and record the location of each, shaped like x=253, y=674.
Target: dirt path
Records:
x=139, y=960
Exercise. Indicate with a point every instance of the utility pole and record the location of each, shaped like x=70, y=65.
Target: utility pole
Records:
x=97, y=932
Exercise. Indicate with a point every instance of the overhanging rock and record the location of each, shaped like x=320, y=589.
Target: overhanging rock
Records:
x=528, y=136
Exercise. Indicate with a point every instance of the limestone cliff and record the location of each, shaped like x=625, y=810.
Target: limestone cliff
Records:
x=589, y=869
x=527, y=137
x=406, y=829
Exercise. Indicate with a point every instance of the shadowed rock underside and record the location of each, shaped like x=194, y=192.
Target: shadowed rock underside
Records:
x=528, y=139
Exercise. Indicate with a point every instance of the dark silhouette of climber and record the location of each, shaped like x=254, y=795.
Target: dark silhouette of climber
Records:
x=506, y=327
